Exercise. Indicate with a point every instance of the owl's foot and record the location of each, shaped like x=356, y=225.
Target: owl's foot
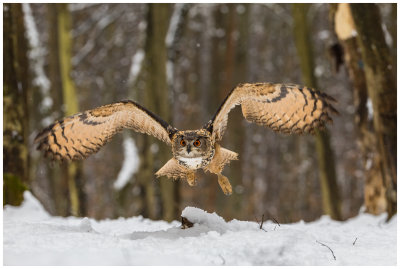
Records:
x=191, y=179
x=224, y=184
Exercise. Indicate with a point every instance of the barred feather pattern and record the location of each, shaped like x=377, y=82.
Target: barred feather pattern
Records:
x=80, y=135
x=173, y=170
x=285, y=108
x=221, y=158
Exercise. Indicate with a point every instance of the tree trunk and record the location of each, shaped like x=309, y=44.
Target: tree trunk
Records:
x=72, y=170
x=329, y=188
x=15, y=105
x=236, y=72
x=174, y=49
x=374, y=192
x=157, y=100
x=382, y=92
x=59, y=186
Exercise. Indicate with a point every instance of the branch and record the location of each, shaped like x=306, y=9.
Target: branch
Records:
x=261, y=223
x=186, y=223
x=334, y=257
x=276, y=221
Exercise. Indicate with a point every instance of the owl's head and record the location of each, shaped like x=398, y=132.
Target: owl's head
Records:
x=192, y=144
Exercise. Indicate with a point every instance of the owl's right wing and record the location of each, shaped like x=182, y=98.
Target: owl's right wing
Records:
x=80, y=135
x=285, y=108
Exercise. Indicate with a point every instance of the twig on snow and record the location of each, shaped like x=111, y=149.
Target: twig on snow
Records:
x=186, y=223
x=223, y=260
x=276, y=221
x=355, y=241
x=333, y=254
x=261, y=223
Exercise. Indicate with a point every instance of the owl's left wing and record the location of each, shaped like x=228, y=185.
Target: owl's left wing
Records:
x=80, y=135
x=285, y=108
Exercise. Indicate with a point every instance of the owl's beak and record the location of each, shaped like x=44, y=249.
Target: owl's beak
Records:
x=188, y=148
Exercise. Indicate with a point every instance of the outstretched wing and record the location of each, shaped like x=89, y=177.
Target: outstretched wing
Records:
x=80, y=135
x=285, y=108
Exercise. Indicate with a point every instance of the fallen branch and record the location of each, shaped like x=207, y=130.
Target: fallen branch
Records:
x=261, y=223
x=333, y=254
x=276, y=221
x=186, y=223
x=355, y=241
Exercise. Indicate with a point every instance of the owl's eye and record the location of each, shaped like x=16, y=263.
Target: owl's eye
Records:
x=183, y=143
x=197, y=143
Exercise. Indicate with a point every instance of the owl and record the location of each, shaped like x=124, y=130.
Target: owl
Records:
x=285, y=108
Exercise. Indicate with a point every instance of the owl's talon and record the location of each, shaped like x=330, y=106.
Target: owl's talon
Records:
x=224, y=184
x=192, y=182
x=227, y=191
x=191, y=179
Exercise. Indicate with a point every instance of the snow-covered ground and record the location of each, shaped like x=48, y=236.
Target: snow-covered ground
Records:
x=32, y=237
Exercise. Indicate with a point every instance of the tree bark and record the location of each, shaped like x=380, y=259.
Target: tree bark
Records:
x=374, y=191
x=57, y=182
x=382, y=92
x=329, y=188
x=236, y=72
x=15, y=105
x=157, y=100
x=220, y=73
x=174, y=50
x=70, y=100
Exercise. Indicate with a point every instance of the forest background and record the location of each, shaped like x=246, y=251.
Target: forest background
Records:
x=180, y=61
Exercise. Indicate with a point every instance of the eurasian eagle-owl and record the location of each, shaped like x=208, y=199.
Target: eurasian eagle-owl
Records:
x=285, y=108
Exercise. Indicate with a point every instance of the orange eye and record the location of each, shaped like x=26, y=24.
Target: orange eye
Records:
x=197, y=143
x=183, y=143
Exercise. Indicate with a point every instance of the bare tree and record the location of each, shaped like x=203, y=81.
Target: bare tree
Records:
x=374, y=192
x=382, y=91
x=327, y=172
x=15, y=103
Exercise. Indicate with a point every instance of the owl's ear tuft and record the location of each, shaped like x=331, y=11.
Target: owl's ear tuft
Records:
x=209, y=126
x=171, y=131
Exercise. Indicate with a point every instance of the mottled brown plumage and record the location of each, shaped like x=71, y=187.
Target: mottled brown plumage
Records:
x=284, y=108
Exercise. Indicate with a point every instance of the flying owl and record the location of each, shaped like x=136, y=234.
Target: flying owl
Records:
x=285, y=108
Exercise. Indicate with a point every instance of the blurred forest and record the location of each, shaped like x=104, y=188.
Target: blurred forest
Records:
x=180, y=61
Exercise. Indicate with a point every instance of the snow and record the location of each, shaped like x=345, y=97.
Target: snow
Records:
x=36, y=55
x=388, y=36
x=370, y=109
x=173, y=26
x=33, y=237
x=136, y=65
x=130, y=164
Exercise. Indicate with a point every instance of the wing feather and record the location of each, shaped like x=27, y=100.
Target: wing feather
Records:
x=285, y=108
x=80, y=135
